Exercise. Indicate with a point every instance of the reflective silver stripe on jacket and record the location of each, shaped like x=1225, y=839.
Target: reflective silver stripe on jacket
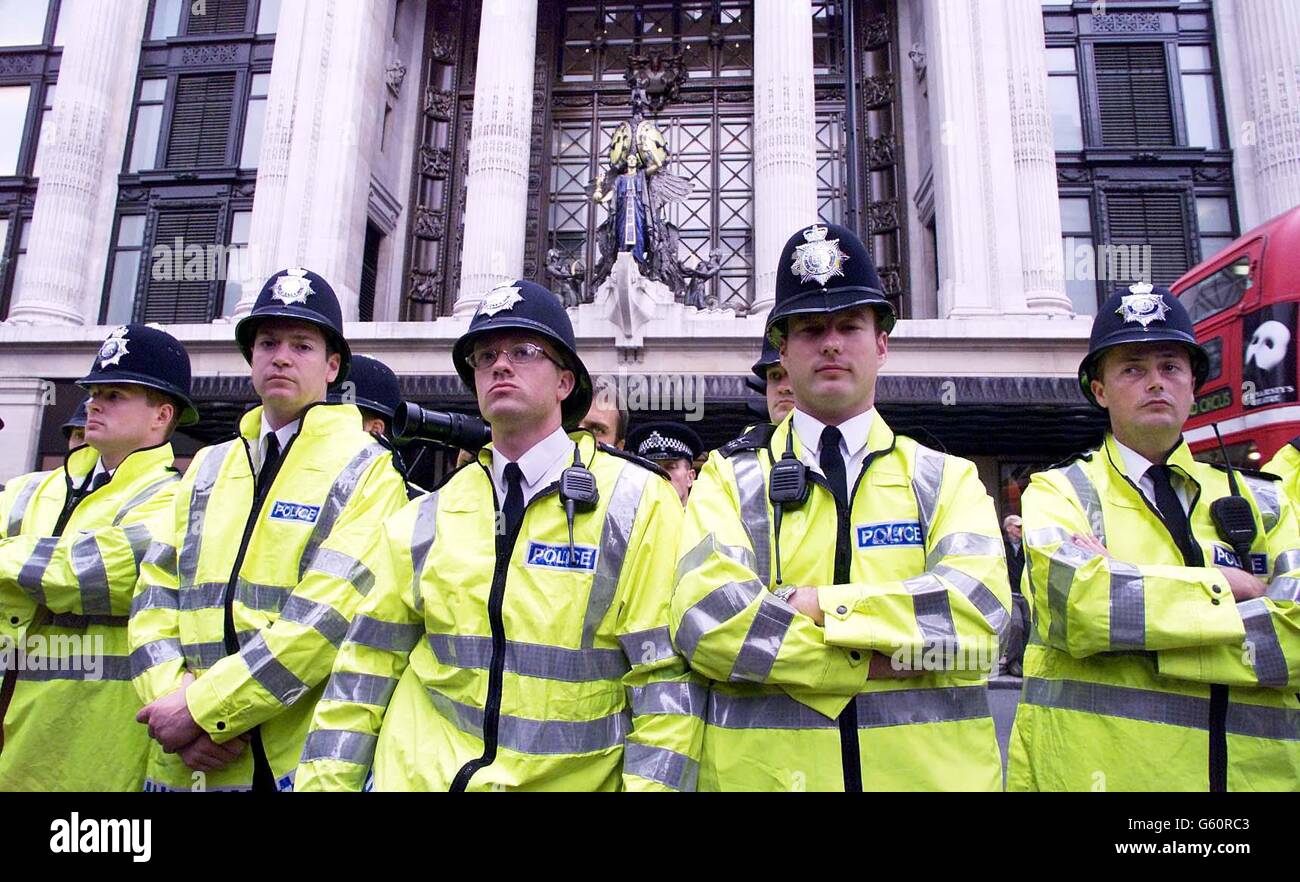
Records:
x=1088, y=498
x=339, y=496
x=751, y=487
x=763, y=640
x=422, y=535
x=647, y=647
x=720, y=605
x=1266, y=653
x=187, y=560
x=683, y=699
x=905, y=707
x=1167, y=708
x=538, y=737
x=927, y=482
x=709, y=546
x=24, y=498
x=661, y=765
x=354, y=688
x=1128, y=614
x=339, y=744
x=1266, y=497
x=156, y=653
x=98, y=668
x=143, y=496
x=378, y=634
x=620, y=515
x=531, y=659
x=270, y=672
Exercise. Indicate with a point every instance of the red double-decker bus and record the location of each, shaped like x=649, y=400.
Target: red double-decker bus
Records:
x=1243, y=303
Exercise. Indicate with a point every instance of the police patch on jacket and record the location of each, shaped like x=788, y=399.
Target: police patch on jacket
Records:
x=293, y=512
x=1225, y=558
x=559, y=556
x=887, y=534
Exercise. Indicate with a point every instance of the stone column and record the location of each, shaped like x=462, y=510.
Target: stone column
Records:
x=23, y=403
x=1034, y=155
x=1267, y=70
x=75, y=202
x=976, y=205
x=785, y=156
x=273, y=171
x=496, y=185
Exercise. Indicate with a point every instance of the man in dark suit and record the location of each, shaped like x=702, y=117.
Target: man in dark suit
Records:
x=1020, y=620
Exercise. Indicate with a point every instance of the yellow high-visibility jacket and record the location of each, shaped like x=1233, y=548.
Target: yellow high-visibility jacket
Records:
x=532, y=667
x=914, y=570
x=65, y=591
x=1286, y=465
x=1142, y=672
x=287, y=569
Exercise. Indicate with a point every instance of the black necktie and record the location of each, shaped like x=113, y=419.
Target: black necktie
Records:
x=513, y=509
x=1171, y=512
x=100, y=480
x=270, y=463
x=832, y=463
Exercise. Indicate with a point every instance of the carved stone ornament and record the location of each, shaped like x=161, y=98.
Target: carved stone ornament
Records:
x=394, y=74
x=429, y=223
x=437, y=104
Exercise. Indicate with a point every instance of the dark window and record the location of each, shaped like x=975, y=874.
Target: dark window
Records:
x=369, y=273
x=200, y=128
x=1133, y=95
x=1138, y=221
x=217, y=17
x=184, y=293
x=1214, y=349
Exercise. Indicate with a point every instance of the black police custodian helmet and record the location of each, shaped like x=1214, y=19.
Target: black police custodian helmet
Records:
x=76, y=421
x=140, y=355
x=374, y=386
x=769, y=357
x=665, y=441
x=297, y=293
x=826, y=268
x=526, y=306
x=1140, y=314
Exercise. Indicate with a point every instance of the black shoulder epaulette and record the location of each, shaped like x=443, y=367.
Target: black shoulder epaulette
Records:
x=1085, y=456
x=755, y=437
x=1250, y=473
x=632, y=457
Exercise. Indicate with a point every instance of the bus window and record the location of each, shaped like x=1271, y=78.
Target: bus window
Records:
x=1214, y=349
x=1215, y=293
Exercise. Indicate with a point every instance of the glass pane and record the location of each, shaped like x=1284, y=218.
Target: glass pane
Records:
x=268, y=15
x=1076, y=215
x=121, y=294
x=1061, y=60
x=1212, y=245
x=1202, y=114
x=153, y=90
x=13, y=114
x=259, y=85
x=166, y=19
x=253, y=133
x=1213, y=215
x=22, y=22
x=24, y=233
x=238, y=267
x=1083, y=295
x=1218, y=292
x=19, y=260
x=240, y=224
x=42, y=139
x=130, y=230
x=1194, y=58
x=49, y=95
x=66, y=9
x=4, y=231
x=144, y=150
x=1079, y=264
x=1067, y=126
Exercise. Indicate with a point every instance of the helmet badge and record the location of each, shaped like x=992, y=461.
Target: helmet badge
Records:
x=110, y=354
x=819, y=258
x=292, y=287
x=1141, y=305
x=499, y=298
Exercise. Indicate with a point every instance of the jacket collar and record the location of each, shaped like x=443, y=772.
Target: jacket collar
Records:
x=318, y=420
x=1126, y=493
x=79, y=463
x=879, y=437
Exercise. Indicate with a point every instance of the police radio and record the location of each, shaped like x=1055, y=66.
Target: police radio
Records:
x=1232, y=515
x=787, y=486
x=578, y=491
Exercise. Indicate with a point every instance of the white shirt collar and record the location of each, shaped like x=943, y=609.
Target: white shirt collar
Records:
x=1135, y=464
x=284, y=434
x=540, y=464
x=855, y=431
x=99, y=467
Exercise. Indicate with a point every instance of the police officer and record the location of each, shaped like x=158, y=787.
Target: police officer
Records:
x=516, y=635
x=819, y=567
x=74, y=430
x=68, y=568
x=774, y=380
x=671, y=446
x=1166, y=654
x=606, y=419
x=374, y=388
x=236, y=621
